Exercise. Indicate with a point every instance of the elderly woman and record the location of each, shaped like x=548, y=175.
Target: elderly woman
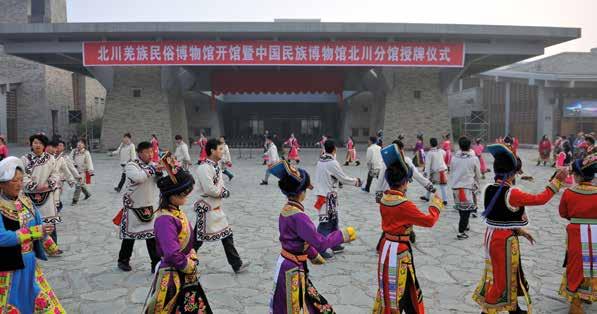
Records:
x=23, y=238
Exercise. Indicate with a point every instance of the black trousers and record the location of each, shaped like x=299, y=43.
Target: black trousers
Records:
x=406, y=303
x=122, y=180
x=231, y=253
x=464, y=220
x=126, y=251
x=368, y=184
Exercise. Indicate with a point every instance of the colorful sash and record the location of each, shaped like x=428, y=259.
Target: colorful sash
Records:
x=588, y=241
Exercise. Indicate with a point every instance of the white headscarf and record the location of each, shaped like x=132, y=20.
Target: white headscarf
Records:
x=8, y=167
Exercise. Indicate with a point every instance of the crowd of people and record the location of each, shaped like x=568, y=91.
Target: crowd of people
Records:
x=155, y=184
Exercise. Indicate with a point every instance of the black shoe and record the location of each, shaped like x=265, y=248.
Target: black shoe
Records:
x=263, y=182
x=474, y=215
x=124, y=266
x=327, y=255
x=87, y=196
x=117, y=190
x=346, y=163
x=423, y=198
x=243, y=267
x=445, y=203
x=357, y=163
x=462, y=236
x=74, y=202
x=518, y=311
x=338, y=249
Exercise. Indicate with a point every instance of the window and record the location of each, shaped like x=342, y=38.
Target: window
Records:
x=365, y=132
x=310, y=127
x=136, y=92
x=207, y=132
x=196, y=109
x=417, y=94
x=38, y=11
x=256, y=127
x=74, y=116
x=355, y=132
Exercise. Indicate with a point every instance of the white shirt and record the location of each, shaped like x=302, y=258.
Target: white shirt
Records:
x=374, y=160
x=142, y=190
x=226, y=158
x=125, y=152
x=82, y=160
x=434, y=161
x=327, y=175
x=382, y=185
x=182, y=153
x=272, y=154
x=465, y=170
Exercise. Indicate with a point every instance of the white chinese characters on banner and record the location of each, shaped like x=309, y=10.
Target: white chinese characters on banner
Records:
x=262, y=52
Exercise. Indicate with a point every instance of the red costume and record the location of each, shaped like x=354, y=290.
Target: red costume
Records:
x=503, y=279
x=293, y=143
x=447, y=147
x=398, y=287
x=203, y=154
x=155, y=146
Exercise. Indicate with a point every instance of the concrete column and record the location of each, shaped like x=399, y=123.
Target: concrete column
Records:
x=346, y=120
x=151, y=113
x=507, y=109
x=544, y=112
x=405, y=114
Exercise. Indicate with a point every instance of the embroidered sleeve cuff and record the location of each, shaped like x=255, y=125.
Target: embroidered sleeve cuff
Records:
x=50, y=246
x=555, y=185
x=36, y=232
x=52, y=184
x=23, y=235
x=31, y=186
x=437, y=203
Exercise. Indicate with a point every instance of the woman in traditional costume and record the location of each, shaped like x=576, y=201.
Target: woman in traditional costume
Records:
x=176, y=287
x=579, y=206
x=23, y=239
x=398, y=287
x=447, y=147
x=293, y=291
x=564, y=159
x=293, y=143
x=351, y=152
x=419, y=158
x=202, y=141
x=155, y=146
x=478, y=148
x=503, y=280
x=544, y=151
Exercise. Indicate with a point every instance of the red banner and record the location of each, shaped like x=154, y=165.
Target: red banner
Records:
x=289, y=53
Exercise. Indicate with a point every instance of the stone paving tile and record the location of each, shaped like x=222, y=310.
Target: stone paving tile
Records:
x=87, y=281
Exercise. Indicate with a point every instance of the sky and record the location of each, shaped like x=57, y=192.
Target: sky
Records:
x=563, y=13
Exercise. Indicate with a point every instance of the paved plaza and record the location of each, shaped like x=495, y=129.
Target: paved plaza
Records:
x=87, y=280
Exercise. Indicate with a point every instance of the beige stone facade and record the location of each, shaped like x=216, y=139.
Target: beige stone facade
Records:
x=409, y=115
x=44, y=94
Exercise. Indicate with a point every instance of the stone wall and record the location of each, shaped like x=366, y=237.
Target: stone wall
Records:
x=59, y=95
x=140, y=116
x=14, y=11
x=57, y=12
x=407, y=115
x=94, y=89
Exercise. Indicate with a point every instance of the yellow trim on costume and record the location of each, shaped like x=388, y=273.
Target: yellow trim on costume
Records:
x=185, y=232
x=50, y=246
x=555, y=185
x=289, y=210
x=587, y=189
x=392, y=199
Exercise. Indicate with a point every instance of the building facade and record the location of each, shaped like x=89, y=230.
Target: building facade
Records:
x=35, y=97
x=556, y=95
x=402, y=95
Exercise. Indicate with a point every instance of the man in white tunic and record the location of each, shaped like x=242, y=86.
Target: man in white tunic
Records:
x=212, y=223
x=436, y=169
x=140, y=202
x=181, y=153
x=271, y=156
x=374, y=162
x=328, y=175
x=226, y=161
x=84, y=165
x=66, y=169
x=465, y=176
x=40, y=181
x=126, y=152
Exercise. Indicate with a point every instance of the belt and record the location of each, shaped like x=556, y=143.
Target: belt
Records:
x=297, y=259
x=397, y=238
x=584, y=221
